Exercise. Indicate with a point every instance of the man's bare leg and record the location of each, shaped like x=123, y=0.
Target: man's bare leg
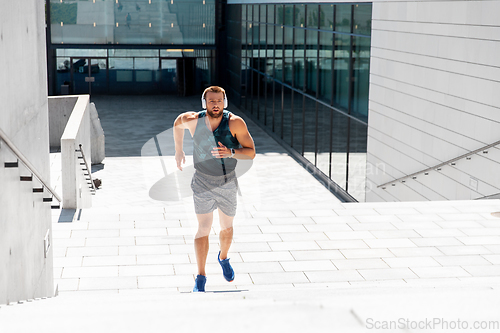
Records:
x=226, y=234
x=201, y=244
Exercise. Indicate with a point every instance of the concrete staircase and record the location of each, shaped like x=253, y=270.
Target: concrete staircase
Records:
x=304, y=261
x=271, y=310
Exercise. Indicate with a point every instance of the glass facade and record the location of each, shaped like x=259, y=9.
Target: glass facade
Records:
x=131, y=47
x=132, y=71
x=302, y=70
x=171, y=22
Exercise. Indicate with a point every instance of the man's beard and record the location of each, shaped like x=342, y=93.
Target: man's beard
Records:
x=214, y=115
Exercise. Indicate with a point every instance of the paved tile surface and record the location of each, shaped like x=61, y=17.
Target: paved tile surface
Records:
x=290, y=232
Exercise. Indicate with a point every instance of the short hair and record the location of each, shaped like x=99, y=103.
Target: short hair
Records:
x=214, y=89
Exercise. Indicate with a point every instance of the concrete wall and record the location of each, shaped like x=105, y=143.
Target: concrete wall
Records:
x=60, y=108
x=434, y=95
x=76, y=191
x=25, y=273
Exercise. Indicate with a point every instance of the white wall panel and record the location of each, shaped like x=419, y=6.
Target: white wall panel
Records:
x=434, y=95
x=25, y=272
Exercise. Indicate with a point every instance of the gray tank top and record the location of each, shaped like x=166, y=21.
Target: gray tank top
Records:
x=205, y=140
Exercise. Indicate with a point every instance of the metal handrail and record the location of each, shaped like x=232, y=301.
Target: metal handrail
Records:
x=27, y=163
x=484, y=149
x=87, y=166
x=488, y=196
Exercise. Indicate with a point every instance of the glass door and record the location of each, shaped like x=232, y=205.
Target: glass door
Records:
x=89, y=75
x=99, y=73
x=79, y=73
x=168, y=82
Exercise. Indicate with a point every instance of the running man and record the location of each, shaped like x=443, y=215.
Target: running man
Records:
x=220, y=138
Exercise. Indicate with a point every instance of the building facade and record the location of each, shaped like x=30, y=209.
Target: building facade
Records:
x=371, y=96
x=131, y=47
x=26, y=264
x=304, y=73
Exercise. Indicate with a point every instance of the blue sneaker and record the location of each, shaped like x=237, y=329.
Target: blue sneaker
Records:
x=199, y=285
x=227, y=270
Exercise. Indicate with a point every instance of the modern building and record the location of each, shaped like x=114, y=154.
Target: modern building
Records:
x=381, y=100
x=26, y=265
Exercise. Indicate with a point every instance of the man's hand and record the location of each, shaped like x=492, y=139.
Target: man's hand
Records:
x=221, y=151
x=180, y=157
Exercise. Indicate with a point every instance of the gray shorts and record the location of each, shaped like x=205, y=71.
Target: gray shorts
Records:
x=212, y=192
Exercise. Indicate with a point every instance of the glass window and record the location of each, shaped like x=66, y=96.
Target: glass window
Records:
x=357, y=160
x=300, y=15
x=263, y=36
x=326, y=17
x=204, y=72
x=361, y=77
x=341, y=71
x=254, y=102
x=280, y=14
x=264, y=99
x=256, y=13
x=287, y=115
x=311, y=61
x=244, y=12
x=63, y=64
x=278, y=53
x=343, y=18
x=270, y=14
x=144, y=76
x=63, y=74
x=133, y=53
x=171, y=53
x=325, y=66
x=289, y=15
x=243, y=39
x=284, y=42
x=299, y=55
x=298, y=122
x=124, y=76
x=278, y=114
x=250, y=13
x=268, y=121
x=249, y=36
x=261, y=100
x=324, y=136
x=255, y=35
x=81, y=53
x=131, y=22
x=288, y=52
x=339, y=149
x=362, y=19
x=270, y=51
x=263, y=14
x=312, y=16
x=310, y=130
x=121, y=63
x=146, y=63
x=250, y=102
x=245, y=87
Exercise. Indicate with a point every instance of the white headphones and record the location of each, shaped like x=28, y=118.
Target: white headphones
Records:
x=204, y=101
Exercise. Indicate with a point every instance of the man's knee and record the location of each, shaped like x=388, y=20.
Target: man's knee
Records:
x=226, y=230
x=201, y=234
x=204, y=228
x=204, y=225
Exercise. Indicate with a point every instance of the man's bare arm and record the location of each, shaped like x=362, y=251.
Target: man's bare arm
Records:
x=239, y=129
x=184, y=121
x=247, y=150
